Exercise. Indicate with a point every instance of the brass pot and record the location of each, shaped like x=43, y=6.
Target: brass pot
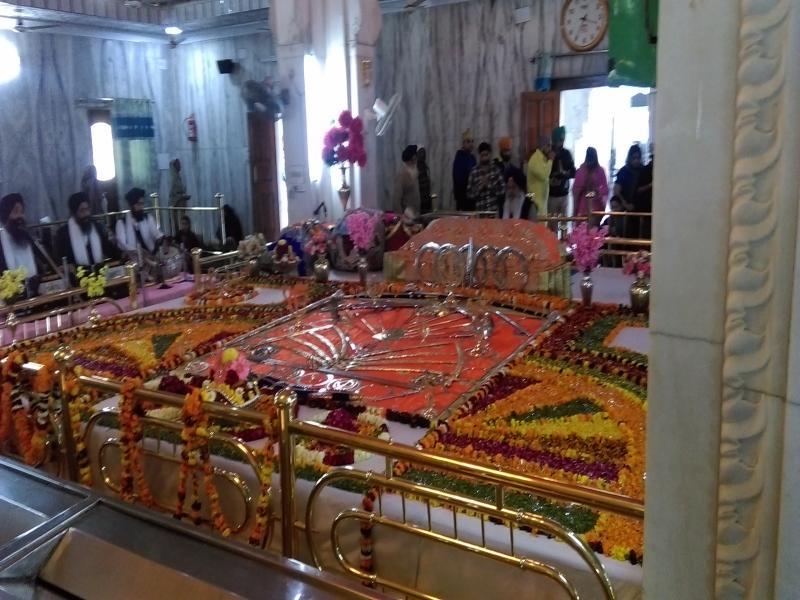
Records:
x=322, y=270
x=640, y=295
x=587, y=287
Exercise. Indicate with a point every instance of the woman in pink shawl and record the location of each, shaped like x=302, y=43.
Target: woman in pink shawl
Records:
x=590, y=190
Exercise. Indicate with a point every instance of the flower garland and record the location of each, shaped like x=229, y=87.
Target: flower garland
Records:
x=14, y=418
x=12, y=283
x=266, y=465
x=78, y=403
x=132, y=477
x=224, y=295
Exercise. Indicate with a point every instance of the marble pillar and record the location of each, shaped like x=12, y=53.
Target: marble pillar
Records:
x=722, y=468
x=291, y=25
x=339, y=35
x=364, y=27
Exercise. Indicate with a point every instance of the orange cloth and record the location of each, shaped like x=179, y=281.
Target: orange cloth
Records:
x=505, y=143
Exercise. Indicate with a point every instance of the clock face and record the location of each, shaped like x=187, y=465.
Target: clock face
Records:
x=584, y=23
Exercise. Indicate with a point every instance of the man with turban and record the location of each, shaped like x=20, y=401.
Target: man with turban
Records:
x=462, y=166
x=563, y=171
x=138, y=229
x=17, y=248
x=405, y=197
x=81, y=241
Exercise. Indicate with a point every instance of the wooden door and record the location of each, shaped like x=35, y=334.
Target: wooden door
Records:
x=263, y=175
x=540, y=115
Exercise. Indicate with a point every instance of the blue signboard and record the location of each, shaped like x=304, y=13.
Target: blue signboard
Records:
x=133, y=127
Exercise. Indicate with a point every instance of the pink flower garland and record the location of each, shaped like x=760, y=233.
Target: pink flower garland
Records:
x=587, y=243
x=361, y=228
x=345, y=142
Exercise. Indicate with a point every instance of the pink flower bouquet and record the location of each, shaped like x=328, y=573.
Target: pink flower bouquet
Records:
x=586, y=243
x=344, y=142
x=638, y=264
x=361, y=228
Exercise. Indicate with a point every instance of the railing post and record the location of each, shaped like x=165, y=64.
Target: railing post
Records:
x=156, y=209
x=220, y=199
x=196, y=268
x=133, y=285
x=285, y=401
x=64, y=356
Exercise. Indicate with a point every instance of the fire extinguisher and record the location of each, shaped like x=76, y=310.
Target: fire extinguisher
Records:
x=191, y=128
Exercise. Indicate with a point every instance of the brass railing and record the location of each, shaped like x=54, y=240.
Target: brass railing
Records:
x=157, y=210
x=288, y=429
x=21, y=313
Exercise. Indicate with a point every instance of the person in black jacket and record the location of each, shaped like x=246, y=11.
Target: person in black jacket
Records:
x=81, y=241
x=233, y=229
x=563, y=170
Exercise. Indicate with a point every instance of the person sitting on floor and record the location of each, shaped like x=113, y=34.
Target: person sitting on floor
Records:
x=138, y=229
x=17, y=247
x=185, y=237
x=81, y=241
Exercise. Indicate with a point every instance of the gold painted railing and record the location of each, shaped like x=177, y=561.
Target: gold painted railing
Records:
x=288, y=429
x=62, y=317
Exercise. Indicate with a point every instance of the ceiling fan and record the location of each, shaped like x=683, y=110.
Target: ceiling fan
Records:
x=20, y=27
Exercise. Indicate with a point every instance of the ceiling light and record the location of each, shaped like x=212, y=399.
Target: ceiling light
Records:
x=172, y=30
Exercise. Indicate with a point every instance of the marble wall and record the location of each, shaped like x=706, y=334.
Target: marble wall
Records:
x=462, y=66
x=44, y=136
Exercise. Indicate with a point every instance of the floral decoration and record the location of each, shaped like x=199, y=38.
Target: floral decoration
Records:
x=317, y=244
x=344, y=142
x=94, y=282
x=133, y=482
x=586, y=243
x=12, y=283
x=361, y=228
x=638, y=264
x=252, y=245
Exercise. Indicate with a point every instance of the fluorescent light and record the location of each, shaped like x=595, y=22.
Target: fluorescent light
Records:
x=172, y=30
x=9, y=61
x=103, y=151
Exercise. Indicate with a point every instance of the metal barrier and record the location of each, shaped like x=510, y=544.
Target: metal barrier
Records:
x=288, y=429
x=56, y=319
x=157, y=210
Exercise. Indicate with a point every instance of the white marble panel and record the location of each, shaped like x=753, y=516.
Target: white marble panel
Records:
x=682, y=415
x=44, y=137
x=463, y=66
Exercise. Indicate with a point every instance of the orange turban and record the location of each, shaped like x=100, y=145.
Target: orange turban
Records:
x=505, y=144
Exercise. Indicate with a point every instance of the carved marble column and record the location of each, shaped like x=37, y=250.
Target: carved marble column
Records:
x=722, y=472
x=364, y=26
x=291, y=24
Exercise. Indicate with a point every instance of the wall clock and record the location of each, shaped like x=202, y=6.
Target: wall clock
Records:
x=584, y=23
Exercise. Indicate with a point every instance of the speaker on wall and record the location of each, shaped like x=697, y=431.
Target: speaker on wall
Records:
x=226, y=66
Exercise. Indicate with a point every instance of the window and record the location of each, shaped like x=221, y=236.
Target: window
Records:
x=9, y=61
x=102, y=145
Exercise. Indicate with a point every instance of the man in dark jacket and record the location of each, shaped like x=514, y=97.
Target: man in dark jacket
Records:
x=462, y=166
x=563, y=170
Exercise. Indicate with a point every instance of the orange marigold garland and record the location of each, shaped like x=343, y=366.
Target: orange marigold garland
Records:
x=132, y=479
x=78, y=402
x=14, y=418
x=265, y=468
x=195, y=453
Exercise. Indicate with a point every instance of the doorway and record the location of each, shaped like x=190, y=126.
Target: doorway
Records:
x=609, y=120
x=263, y=175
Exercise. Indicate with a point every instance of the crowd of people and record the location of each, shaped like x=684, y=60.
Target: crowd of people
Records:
x=537, y=188
x=83, y=241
